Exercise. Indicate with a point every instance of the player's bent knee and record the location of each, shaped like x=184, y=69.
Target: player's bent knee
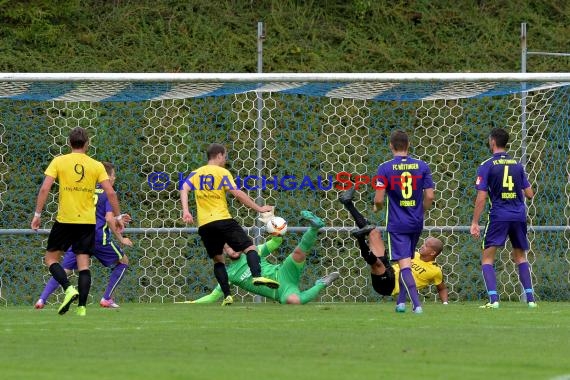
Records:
x=293, y=299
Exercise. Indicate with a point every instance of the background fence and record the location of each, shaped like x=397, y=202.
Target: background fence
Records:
x=298, y=131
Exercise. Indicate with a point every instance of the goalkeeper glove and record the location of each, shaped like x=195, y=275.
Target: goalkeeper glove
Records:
x=266, y=216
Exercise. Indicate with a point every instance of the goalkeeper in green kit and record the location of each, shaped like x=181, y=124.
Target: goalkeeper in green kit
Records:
x=288, y=273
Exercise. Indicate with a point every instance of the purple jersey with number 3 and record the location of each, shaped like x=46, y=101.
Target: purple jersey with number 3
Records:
x=404, y=178
x=504, y=179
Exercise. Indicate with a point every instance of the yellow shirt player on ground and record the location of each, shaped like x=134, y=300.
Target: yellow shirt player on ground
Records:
x=77, y=175
x=216, y=227
x=384, y=275
x=426, y=271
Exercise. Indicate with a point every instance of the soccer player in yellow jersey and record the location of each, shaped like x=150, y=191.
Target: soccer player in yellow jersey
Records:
x=383, y=274
x=424, y=268
x=77, y=175
x=216, y=227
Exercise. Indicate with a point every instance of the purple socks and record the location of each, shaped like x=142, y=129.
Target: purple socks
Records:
x=490, y=282
x=50, y=287
x=114, y=280
x=526, y=281
x=408, y=285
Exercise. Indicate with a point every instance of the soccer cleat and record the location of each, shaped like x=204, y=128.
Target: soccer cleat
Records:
x=71, y=294
x=315, y=221
x=271, y=284
x=328, y=279
x=364, y=231
x=532, y=305
x=81, y=311
x=401, y=308
x=347, y=196
x=490, y=305
x=227, y=301
x=418, y=310
x=39, y=304
x=110, y=303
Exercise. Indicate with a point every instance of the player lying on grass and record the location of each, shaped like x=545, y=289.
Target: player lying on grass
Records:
x=106, y=250
x=384, y=274
x=288, y=273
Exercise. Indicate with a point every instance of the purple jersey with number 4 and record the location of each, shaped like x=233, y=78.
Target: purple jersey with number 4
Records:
x=404, y=178
x=504, y=179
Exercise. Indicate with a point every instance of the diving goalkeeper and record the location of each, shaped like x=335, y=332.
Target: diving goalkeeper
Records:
x=288, y=273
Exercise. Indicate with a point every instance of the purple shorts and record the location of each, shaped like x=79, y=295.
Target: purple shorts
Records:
x=496, y=234
x=108, y=255
x=402, y=246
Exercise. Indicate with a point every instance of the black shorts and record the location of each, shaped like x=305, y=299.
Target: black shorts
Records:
x=215, y=234
x=80, y=237
x=384, y=284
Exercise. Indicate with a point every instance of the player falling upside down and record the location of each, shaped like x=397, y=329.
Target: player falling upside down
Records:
x=384, y=275
x=106, y=250
x=287, y=273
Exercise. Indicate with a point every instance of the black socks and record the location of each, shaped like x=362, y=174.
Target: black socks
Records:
x=59, y=274
x=222, y=277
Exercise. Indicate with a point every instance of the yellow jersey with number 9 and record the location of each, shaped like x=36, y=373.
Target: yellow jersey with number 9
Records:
x=77, y=174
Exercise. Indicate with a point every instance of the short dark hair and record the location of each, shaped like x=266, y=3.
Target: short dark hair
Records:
x=399, y=140
x=215, y=149
x=78, y=137
x=109, y=167
x=500, y=136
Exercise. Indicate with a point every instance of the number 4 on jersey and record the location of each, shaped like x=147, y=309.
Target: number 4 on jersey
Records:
x=507, y=179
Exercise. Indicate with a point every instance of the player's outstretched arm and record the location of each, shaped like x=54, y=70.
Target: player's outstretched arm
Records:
x=246, y=200
x=442, y=291
x=214, y=296
x=270, y=246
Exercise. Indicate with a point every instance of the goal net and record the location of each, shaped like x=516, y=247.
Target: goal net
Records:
x=288, y=137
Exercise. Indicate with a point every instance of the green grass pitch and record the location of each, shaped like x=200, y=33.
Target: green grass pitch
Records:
x=270, y=341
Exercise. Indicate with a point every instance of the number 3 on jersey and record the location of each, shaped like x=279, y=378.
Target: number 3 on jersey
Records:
x=507, y=179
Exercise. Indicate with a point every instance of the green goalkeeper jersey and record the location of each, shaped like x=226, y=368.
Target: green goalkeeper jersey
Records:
x=240, y=275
